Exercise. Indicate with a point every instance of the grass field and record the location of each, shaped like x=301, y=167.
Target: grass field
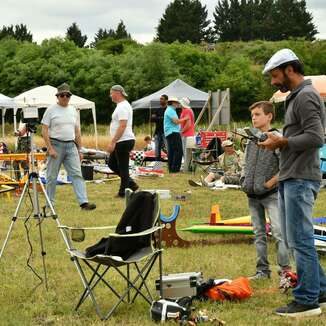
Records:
x=21, y=304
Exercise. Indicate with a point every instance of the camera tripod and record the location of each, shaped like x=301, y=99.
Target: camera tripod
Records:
x=32, y=182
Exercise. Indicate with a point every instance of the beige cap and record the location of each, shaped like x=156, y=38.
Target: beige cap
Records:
x=227, y=142
x=120, y=89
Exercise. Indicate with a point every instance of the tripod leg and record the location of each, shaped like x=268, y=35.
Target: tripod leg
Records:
x=14, y=218
x=43, y=253
x=47, y=199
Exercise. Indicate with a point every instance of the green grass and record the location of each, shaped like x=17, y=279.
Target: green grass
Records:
x=21, y=305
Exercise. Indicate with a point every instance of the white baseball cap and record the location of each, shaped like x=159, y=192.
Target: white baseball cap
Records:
x=279, y=58
x=185, y=102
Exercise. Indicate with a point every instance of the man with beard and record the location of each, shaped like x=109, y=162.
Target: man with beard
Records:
x=299, y=178
x=158, y=117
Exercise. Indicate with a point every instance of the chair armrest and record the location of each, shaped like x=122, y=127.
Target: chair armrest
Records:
x=139, y=234
x=87, y=228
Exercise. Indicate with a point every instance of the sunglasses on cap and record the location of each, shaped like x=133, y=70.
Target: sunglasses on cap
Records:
x=64, y=95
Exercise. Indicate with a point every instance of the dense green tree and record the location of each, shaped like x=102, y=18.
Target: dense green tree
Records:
x=18, y=32
x=121, y=31
x=145, y=69
x=119, y=34
x=262, y=19
x=74, y=34
x=291, y=19
x=183, y=20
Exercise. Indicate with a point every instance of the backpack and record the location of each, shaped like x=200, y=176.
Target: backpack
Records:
x=237, y=289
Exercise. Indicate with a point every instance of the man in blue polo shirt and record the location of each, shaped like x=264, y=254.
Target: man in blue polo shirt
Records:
x=172, y=134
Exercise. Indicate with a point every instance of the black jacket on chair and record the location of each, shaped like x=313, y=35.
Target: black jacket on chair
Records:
x=137, y=217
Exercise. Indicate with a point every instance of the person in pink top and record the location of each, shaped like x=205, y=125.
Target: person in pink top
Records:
x=187, y=127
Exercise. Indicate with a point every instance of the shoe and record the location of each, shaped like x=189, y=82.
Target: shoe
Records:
x=119, y=195
x=203, y=182
x=295, y=309
x=322, y=300
x=87, y=206
x=194, y=183
x=134, y=186
x=259, y=276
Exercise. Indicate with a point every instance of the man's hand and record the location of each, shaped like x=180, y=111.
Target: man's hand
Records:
x=273, y=142
x=52, y=153
x=80, y=156
x=111, y=147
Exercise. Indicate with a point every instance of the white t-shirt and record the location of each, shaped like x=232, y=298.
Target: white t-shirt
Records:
x=123, y=111
x=61, y=121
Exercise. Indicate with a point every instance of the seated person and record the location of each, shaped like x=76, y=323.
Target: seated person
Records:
x=230, y=163
x=149, y=144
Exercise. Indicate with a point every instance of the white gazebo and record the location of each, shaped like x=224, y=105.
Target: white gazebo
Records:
x=44, y=96
x=6, y=103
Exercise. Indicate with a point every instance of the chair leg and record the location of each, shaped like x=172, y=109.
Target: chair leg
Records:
x=131, y=285
x=143, y=282
x=100, y=278
x=128, y=276
x=86, y=286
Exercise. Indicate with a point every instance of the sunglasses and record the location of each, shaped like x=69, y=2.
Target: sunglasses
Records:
x=64, y=95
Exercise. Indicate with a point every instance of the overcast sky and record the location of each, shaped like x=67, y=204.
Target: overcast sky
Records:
x=50, y=18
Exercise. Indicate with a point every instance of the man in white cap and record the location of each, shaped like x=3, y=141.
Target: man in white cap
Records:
x=61, y=133
x=299, y=178
x=122, y=139
x=171, y=125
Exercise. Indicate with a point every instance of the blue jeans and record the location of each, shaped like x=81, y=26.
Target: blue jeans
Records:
x=69, y=157
x=296, y=200
x=257, y=211
x=160, y=141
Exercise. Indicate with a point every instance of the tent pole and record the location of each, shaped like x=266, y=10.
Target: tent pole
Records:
x=150, y=115
x=15, y=119
x=95, y=127
x=3, y=122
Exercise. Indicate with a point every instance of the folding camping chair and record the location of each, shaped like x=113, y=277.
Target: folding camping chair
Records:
x=206, y=157
x=99, y=265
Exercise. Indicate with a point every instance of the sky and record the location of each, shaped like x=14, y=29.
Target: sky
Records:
x=51, y=18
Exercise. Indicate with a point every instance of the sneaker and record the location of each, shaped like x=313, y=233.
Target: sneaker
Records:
x=322, y=300
x=194, y=183
x=88, y=206
x=259, y=276
x=119, y=195
x=295, y=309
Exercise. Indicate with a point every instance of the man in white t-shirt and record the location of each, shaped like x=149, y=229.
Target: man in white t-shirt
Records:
x=61, y=133
x=122, y=139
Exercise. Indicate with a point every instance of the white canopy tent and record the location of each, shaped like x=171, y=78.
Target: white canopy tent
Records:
x=6, y=103
x=44, y=96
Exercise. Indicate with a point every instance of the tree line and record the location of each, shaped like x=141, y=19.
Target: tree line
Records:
x=143, y=69
x=186, y=21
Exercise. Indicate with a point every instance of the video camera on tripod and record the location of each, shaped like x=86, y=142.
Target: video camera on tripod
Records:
x=31, y=118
